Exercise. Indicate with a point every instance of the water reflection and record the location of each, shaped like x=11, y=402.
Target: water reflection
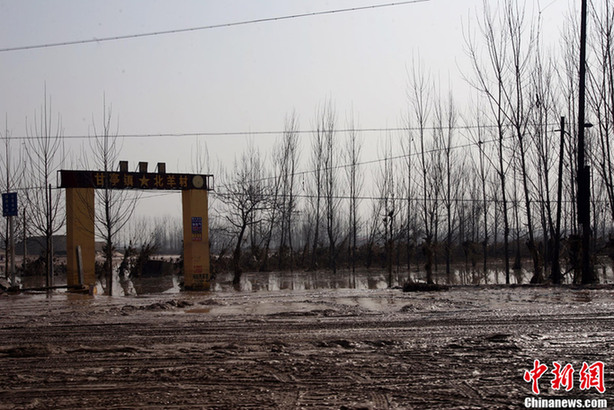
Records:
x=300, y=281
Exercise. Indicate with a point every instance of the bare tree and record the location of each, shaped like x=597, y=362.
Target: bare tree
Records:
x=544, y=157
x=445, y=120
x=326, y=127
x=273, y=217
x=116, y=206
x=410, y=224
x=289, y=160
x=244, y=194
x=484, y=175
x=387, y=184
x=601, y=95
x=490, y=79
x=419, y=95
x=316, y=190
x=142, y=239
x=354, y=179
x=45, y=155
x=200, y=159
x=519, y=98
x=372, y=229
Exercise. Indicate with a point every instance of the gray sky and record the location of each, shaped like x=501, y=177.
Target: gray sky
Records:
x=234, y=79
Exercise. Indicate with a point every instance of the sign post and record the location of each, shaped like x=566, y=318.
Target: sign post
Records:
x=9, y=210
x=9, y=204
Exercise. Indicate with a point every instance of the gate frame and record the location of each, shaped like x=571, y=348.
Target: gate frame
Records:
x=80, y=217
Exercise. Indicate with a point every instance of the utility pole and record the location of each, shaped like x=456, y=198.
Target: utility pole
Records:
x=49, y=232
x=583, y=173
x=25, y=239
x=556, y=264
x=12, y=245
x=10, y=213
x=6, y=252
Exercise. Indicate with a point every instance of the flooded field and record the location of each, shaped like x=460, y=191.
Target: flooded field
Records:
x=305, y=347
x=275, y=281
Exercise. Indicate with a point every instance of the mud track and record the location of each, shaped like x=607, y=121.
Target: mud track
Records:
x=464, y=348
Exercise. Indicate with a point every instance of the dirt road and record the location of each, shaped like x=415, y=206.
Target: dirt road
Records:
x=464, y=348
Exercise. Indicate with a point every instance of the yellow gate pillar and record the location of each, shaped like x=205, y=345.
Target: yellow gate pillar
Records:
x=195, y=239
x=80, y=232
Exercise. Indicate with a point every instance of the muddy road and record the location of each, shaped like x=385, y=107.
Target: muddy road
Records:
x=464, y=348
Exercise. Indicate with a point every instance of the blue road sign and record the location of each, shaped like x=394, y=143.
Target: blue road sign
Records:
x=9, y=204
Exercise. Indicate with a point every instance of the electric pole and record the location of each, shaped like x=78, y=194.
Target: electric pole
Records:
x=584, y=173
x=556, y=251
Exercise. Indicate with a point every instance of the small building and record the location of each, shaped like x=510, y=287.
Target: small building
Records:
x=36, y=245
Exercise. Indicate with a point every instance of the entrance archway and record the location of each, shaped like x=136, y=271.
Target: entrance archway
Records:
x=80, y=229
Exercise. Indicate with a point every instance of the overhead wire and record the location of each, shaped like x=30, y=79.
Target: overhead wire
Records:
x=253, y=133
x=405, y=155
x=149, y=194
x=362, y=163
x=208, y=27
x=373, y=161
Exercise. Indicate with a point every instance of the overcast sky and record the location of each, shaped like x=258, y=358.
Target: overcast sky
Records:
x=233, y=79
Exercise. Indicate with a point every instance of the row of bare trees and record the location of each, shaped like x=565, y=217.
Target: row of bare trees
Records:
x=501, y=173
x=487, y=183
x=31, y=172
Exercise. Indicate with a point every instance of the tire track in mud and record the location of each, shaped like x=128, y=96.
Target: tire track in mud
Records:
x=331, y=357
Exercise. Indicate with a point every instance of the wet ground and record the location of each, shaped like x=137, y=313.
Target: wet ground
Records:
x=464, y=348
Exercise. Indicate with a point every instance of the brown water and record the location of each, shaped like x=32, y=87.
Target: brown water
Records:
x=276, y=281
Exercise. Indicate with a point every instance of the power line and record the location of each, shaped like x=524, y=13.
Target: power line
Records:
x=210, y=27
x=441, y=199
x=378, y=160
x=362, y=163
x=156, y=194
x=259, y=133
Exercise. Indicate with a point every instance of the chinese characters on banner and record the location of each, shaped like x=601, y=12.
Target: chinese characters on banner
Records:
x=589, y=376
x=134, y=180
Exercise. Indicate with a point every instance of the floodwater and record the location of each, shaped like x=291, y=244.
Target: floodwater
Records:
x=295, y=341
x=301, y=280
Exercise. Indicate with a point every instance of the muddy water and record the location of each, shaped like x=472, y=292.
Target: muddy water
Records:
x=297, y=281
x=344, y=279
x=304, y=347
